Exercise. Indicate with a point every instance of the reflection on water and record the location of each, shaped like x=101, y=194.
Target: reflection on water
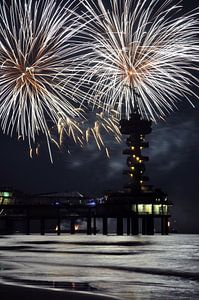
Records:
x=78, y=286
x=151, y=267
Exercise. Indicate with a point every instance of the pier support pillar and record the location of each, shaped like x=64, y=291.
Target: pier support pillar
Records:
x=89, y=229
x=134, y=225
x=72, y=225
x=94, y=226
x=119, y=226
x=144, y=225
x=128, y=226
x=27, y=222
x=58, y=222
x=105, y=226
x=150, y=225
x=42, y=226
x=164, y=225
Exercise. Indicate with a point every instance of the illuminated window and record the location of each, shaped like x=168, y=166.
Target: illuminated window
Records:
x=6, y=194
x=134, y=208
x=145, y=208
x=165, y=209
x=140, y=208
x=148, y=208
x=157, y=209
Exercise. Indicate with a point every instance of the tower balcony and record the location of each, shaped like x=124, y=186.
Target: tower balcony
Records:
x=137, y=175
x=135, y=125
x=134, y=156
x=132, y=142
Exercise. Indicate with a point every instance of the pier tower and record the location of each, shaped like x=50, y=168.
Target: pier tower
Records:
x=136, y=128
x=138, y=201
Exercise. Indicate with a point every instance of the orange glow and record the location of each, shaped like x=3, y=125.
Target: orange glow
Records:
x=130, y=73
x=77, y=227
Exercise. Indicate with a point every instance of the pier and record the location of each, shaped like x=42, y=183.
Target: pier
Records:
x=28, y=215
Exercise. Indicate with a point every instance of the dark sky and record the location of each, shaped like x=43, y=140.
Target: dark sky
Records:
x=173, y=166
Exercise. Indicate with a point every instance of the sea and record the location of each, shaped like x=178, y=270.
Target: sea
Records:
x=127, y=267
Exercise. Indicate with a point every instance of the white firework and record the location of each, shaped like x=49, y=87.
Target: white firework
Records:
x=37, y=82
x=143, y=55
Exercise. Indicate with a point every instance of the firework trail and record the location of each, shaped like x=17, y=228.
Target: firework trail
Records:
x=143, y=55
x=93, y=125
x=37, y=82
x=103, y=125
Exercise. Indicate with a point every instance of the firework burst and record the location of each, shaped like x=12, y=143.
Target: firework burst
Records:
x=143, y=55
x=37, y=83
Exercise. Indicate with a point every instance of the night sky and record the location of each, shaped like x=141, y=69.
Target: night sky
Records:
x=173, y=165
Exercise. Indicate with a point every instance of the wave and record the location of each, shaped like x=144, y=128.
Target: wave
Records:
x=103, y=252
x=92, y=243
x=154, y=271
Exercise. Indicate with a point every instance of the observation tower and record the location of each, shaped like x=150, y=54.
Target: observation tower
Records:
x=136, y=128
x=144, y=206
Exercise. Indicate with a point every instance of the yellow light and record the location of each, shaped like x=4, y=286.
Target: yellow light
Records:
x=132, y=147
x=132, y=168
x=140, y=161
x=140, y=208
x=137, y=158
x=141, y=148
x=131, y=175
x=134, y=155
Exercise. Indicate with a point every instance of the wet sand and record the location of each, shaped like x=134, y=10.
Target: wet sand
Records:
x=9, y=292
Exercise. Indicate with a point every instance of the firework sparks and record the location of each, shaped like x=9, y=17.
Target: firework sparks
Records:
x=72, y=129
x=37, y=86
x=94, y=126
x=104, y=124
x=142, y=55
